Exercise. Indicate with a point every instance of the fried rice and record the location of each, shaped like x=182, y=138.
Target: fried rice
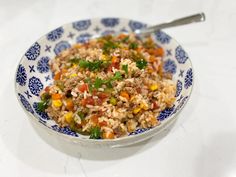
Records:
x=108, y=87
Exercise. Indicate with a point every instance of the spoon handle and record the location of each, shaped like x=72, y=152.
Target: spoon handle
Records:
x=200, y=17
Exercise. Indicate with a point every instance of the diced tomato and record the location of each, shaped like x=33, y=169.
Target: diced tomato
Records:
x=115, y=65
x=94, y=119
x=102, y=95
x=103, y=123
x=47, y=89
x=155, y=105
x=88, y=100
x=83, y=88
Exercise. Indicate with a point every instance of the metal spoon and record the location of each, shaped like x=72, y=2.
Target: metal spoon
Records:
x=200, y=17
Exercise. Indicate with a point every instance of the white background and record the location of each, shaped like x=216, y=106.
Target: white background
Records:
x=202, y=143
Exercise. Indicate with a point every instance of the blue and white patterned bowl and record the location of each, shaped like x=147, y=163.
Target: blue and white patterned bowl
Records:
x=33, y=74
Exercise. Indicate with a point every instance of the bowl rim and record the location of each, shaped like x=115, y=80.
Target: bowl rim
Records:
x=147, y=134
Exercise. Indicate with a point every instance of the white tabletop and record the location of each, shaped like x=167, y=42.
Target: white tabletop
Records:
x=202, y=143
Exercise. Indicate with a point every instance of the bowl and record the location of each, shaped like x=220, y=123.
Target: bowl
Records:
x=33, y=75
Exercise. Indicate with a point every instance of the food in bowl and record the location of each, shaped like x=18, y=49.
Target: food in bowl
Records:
x=108, y=87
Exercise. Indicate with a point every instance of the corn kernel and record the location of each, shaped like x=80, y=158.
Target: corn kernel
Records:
x=68, y=117
x=153, y=87
x=136, y=110
x=75, y=65
x=73, y=75
x=144, y=106
x=104, y=57
x=57, y=103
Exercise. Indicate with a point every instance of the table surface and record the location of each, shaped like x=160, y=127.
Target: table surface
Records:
x=201, y=143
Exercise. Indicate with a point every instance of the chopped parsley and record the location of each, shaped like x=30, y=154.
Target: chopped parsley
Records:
x=92, y=66
x=98, y=83
x=75, y=60
x=141, y=64
x=95, y=133
x=125, y=68
x=133, y=45
x=108, y=46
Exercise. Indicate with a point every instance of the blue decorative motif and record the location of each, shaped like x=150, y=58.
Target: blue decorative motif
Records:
x=170, y=66
x=107, y=32
x=42, y=115
x=188, y=80
x=21, y=75
x=81, y=25
x=63, y=45
x=42, y=65
x=83, y=38
x=165, y=113
x=55, y=34
x=110, y=22
x=162, y=37
x=28, y=94
x=180, y=105
x=31, y=67
x=64, y=130
x=179, y=86
x=135, y=25
x=35, y=85
x=33, y=52
x=138, y=131
x=25, y=103
x=180, y=55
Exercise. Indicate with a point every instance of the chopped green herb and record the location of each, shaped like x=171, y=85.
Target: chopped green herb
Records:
x=109, y=84
x=109, y=45
x=83, y=64
x=42, y=106
x=95, y=133
x=98, y=83
x=117, y=76
x=75, y=60
x=45, y=96
x=126, y=39
x=125, y=68
x=141, y=64
x=81, y=115
x=133, y=45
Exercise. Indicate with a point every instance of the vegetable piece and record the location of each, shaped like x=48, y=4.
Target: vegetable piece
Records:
x=125, y=39
x=60, y=84
x=159, y=52
x=69, y=104
x=103, y=123
x=102, y=95
x=108, y=46
x=57, y=76
x=125, y=68
x=113, y=101
x=57, y=103
x=108, y=135
x=45, y=96
x=114, y=59
x=88, y=100
x=75, y=61
x=56, y=96
x=124, y=94
x=83, y=63
x=153, y=87
x=136, y=110
x=83, y=87
x=81, y=115
x=133, y=45
x=144, y=106
x=94, y=119
x=98, y=83
x=141, y=64
x=68, y=117
x=42, y=106
x=117, y=76
x=95, y=133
